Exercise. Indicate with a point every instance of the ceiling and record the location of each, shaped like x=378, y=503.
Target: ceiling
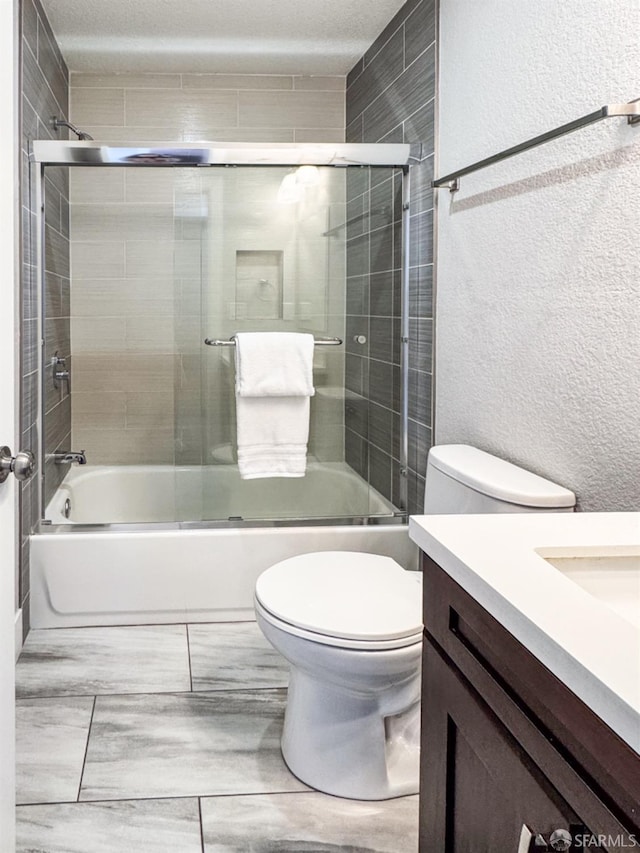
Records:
x=223, y=36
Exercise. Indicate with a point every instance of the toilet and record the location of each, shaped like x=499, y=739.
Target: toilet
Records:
x=350, y=626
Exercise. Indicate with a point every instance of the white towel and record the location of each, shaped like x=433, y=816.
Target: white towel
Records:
x=274, y=381
x=274, y=364
x=272, y=436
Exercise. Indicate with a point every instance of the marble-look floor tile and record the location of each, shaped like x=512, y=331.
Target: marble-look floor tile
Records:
x=294, y=823
x=51, y=739
x=232, y=655
x=183, y=745
x=77, y=661
x=143, y=826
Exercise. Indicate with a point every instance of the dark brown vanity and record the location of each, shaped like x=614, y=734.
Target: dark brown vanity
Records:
x=510, y=755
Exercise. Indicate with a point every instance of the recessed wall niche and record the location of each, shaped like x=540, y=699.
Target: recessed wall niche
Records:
x=259, y=285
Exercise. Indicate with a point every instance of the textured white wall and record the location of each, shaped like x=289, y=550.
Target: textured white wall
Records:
x=538, y=305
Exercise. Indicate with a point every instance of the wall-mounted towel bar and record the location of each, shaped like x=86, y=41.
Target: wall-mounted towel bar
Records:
x=319, y=342
x=631, y=111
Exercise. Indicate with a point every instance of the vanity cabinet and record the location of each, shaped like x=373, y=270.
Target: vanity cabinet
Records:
x=509, y=754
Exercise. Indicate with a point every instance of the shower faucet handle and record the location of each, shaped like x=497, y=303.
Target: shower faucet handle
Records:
x=59, y=371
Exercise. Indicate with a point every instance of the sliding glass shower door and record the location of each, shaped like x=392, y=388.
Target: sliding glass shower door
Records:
x=272, y=258
x=164, y=259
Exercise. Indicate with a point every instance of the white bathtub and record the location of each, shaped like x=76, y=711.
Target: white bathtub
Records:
x=163, y=574
x=115, y=494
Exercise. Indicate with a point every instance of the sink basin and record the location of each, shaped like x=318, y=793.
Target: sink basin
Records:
x=613, y=579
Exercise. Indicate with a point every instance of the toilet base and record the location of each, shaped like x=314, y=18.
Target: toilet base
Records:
x=352, y=745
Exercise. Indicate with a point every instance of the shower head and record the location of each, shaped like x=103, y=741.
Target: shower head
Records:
x=81, y=134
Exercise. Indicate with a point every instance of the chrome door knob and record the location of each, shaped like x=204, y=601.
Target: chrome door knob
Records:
x=21, y=466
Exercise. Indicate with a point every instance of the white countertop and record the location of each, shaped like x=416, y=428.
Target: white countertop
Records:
x=583, y=641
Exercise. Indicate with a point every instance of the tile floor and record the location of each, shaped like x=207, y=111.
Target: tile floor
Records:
x=165, y=739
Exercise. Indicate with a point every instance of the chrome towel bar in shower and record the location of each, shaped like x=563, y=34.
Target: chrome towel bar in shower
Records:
x=319, y=342
x=631, y=111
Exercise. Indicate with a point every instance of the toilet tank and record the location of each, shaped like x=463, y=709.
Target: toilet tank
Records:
x=463, y=479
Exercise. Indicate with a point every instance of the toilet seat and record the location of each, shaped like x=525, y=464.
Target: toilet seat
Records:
x=343, y=598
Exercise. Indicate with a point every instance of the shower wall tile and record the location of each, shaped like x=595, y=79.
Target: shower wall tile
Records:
x=282, y=109
x=97, y=335
x=156, y=186
x=98, y=260
x=135, y=264
x=319, y=134
x=236, y=81
x=320, y=82
x=390, y=98
x=51, y=64
x=395, y=23
x=44, y=94
x=380, y=467
x=126, y=372
x=30, y=25
x=177, y=106
x=96, y=107
x=420, y=29
x=123, y=297
x=56, y=252
x=37, y=92
x=95, y=185
x=121, y=134
x=80, y=80
x=148, y=260
x=384, y=68
x=130, y=447
x=421, y=127
x=150, y=410
x=57, y=425
x=403, y=97
x=106, y=410
x=109, y=222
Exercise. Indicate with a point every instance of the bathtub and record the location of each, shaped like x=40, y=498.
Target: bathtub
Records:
x=163, y=568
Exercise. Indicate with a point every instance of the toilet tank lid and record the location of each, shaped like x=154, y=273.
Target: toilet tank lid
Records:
x=497, y=478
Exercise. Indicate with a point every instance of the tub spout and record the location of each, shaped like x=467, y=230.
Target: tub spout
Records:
x=70, y=457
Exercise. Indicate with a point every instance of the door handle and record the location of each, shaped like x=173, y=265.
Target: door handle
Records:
x=21, y=466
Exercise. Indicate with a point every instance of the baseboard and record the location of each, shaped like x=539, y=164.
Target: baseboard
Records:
x=18, y=634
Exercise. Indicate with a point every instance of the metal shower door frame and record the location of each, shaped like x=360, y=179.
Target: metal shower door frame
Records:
x=210, y=154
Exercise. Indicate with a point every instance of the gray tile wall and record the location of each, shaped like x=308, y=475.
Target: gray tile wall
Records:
x=390, y=98
x=132, y=299
x=193, y=107
x=45, y=84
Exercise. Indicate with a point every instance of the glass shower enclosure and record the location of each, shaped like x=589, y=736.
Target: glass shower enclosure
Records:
x=171, y=251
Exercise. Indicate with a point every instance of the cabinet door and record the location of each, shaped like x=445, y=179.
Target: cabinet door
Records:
x=478, y=786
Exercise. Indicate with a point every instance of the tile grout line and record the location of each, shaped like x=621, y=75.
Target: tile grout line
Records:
x=201, y=826
x=215, y=690
x=84, y=760
x=186, y=628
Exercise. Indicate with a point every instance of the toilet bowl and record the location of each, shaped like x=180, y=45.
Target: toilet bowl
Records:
x=349, y=624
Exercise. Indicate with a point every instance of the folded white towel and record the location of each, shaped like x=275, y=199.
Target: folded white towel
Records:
x=274, y=364
x=274, y=381
x=272, y=436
